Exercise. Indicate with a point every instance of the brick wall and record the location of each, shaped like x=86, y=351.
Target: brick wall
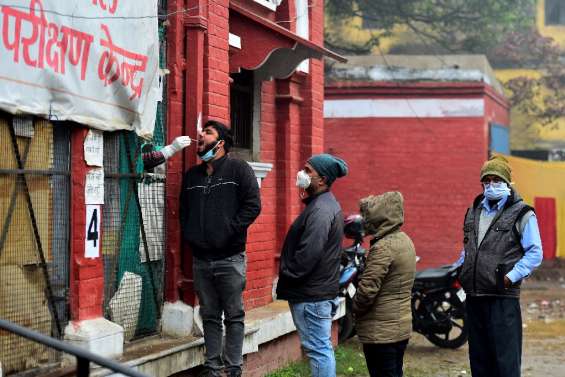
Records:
x=291, y=130
x=434, y=162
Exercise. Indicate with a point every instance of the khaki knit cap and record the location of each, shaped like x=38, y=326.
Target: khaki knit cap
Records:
x=497, y=165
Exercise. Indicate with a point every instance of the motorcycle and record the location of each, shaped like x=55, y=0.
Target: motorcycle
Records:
x=438, y=307
x=438, y=301
x=352, y=264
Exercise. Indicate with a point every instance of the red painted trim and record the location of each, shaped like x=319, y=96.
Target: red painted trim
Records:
x=257, y=43
x=261, y=10
x=281, y=31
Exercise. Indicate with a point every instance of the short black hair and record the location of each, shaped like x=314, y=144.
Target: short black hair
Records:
x=224, y=133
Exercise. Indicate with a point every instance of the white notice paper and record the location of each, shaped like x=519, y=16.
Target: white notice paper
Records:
x=92, y=239
x=94, y=187
x=94, y=148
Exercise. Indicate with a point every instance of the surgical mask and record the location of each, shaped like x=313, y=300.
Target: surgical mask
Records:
x=303, y=180
x=208, y=153
x=496, y=190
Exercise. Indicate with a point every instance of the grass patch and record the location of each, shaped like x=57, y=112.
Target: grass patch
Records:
x=350, y=362
x=299, y=369
x=349, y=357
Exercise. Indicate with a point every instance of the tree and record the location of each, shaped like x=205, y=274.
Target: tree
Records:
x=454, y=25
x=541, y=97
x=504, y=30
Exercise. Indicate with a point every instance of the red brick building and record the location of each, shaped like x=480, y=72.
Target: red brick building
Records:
x=220, y=52
x=419, y=125
x=254, y=64
x=236, y=62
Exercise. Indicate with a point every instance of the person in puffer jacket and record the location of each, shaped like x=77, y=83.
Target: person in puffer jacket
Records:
x=382, y=301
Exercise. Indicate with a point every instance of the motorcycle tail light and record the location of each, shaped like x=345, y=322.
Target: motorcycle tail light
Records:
x=456, y=284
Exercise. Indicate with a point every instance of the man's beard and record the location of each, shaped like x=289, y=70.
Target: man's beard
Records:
x=207, y=148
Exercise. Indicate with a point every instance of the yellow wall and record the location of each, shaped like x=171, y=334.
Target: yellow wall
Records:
x=542, y=179
x=557, y=32
x=527, y=132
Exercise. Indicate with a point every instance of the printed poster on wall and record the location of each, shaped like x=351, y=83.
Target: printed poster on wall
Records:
x=95, y=62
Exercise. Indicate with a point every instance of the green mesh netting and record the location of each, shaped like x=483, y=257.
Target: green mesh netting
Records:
x=129, y=259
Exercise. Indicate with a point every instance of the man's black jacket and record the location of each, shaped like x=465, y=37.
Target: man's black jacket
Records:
x=310, y=257
x=216, y=210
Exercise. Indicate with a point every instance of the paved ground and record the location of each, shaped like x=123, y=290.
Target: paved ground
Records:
x=543, y=308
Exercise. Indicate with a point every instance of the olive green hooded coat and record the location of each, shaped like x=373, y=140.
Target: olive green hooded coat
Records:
x=382, y=300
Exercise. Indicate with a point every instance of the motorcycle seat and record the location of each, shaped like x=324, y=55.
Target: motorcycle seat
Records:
x=435, y=274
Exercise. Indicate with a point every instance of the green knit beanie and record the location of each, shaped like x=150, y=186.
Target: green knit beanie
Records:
x=498, y=166
x=328, y=166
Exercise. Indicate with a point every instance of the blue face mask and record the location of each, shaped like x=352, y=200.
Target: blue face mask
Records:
x=210, y=154
x=496, y=190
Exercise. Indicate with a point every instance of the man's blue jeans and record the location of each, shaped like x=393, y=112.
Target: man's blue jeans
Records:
x=313, y=320
x=219, y=285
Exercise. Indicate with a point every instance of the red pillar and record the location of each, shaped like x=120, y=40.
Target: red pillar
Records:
x=86, y=275
x=175, y=124
x=288, y=153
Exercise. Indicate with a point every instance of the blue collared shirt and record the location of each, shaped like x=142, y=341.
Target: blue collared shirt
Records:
x=531, y=242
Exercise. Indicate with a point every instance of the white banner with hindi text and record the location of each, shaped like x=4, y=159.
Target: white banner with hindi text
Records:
x=95, y=62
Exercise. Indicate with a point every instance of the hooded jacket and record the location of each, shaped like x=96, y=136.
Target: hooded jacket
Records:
x=382, y=301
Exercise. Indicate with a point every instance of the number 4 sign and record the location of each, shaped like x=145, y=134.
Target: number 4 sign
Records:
x=92, y=240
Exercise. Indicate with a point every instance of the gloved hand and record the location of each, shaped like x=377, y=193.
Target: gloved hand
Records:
x=177, y=145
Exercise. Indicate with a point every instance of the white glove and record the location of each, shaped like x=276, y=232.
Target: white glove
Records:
x=177, y=145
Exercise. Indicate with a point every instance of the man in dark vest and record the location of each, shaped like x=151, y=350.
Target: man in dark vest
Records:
x=502, y=246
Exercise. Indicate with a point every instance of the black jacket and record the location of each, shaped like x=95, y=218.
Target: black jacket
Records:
x=216, y=210
x=309, y=266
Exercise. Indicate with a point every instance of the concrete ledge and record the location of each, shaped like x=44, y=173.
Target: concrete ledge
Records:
x=165, y=356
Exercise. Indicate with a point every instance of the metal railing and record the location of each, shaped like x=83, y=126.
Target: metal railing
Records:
x=83, y=356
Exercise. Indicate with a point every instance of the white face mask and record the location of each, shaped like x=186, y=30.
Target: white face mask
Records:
x=303, y=180
x=496, y=190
